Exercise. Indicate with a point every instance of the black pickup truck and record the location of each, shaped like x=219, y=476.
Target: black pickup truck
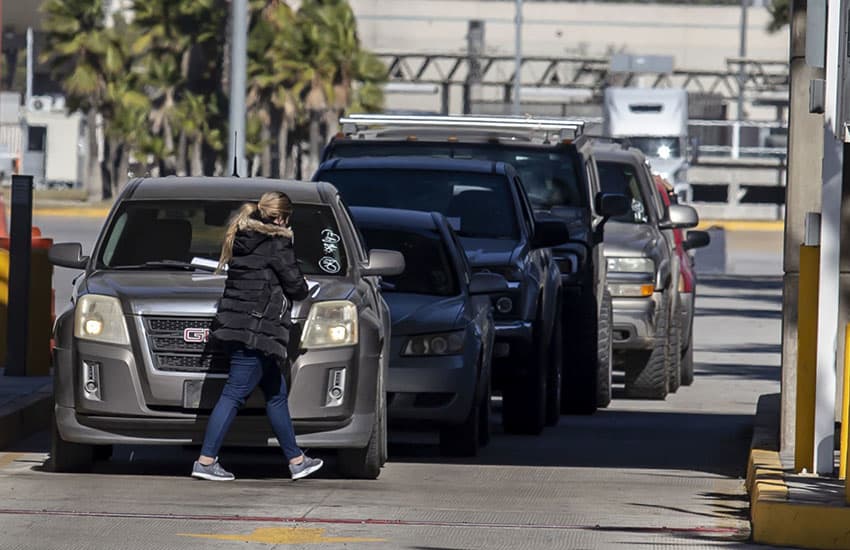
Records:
x=555, y=163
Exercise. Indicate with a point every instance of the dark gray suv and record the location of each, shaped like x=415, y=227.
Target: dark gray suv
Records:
x=133, y=364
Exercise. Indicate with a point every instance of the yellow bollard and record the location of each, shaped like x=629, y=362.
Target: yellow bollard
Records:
x=845, y=403
x=807, y=341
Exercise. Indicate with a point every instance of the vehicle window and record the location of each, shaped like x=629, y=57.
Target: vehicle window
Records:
x=180, y=230
x=616, y=177
x=657, y=147
x=461, y=257
x=358, y=237
x=550, y=174
x=428, y=265
x=526, y=208
x=482, y=203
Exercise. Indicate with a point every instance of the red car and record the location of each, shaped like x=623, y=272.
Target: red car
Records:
x=687, y=280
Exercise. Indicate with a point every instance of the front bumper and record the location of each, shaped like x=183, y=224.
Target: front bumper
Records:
x=432, y=389
x=635, y=322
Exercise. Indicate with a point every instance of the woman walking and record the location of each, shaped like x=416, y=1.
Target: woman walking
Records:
x=252, y=324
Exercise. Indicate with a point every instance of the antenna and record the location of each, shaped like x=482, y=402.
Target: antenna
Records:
x=235, y=173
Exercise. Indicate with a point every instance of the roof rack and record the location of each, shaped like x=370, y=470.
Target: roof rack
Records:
x=565, y=129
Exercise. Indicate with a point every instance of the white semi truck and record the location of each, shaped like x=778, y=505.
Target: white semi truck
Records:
x=656, y=122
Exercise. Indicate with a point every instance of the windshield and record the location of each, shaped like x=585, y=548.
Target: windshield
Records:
x=619, y=178
x=549, y=174
x=658, y=147
x=428, y=266
x=145, y=232
x=479, y=204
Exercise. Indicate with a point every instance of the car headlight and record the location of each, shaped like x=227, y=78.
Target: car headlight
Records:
x=631, y=265
x=100, y=319
x=631, y=290
x=330, y=324
x=447, y=343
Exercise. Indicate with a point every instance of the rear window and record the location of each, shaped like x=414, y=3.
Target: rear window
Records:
x=478, y=205
x=428, y=266
x=181, y=230
x=549, y=174
x=622, y=179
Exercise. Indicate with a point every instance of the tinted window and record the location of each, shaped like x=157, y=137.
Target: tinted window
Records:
x=548, y=173
x=481, y=203
x=179, y=230
x=428, y=266
x=622, y=179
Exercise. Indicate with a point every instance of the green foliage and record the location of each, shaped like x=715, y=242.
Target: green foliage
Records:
x=780, y=15
x=158, y=79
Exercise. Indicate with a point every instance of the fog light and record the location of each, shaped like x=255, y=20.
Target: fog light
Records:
x=91, y=380
x=504, y=305
x=336, y=388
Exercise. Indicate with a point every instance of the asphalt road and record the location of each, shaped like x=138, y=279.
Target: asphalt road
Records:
x=639, y=474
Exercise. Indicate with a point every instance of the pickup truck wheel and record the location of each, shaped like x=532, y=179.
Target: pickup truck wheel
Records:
x=579, y=392
x=554, y=381
x=647, y=372
x=606, y=345
x=688, y=365
x=674, y=351
x=365, y=463
x=463, y=439
x=524, y=399
x=69, y=457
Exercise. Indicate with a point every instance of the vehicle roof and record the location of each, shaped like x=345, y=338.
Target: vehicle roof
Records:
x=417, y=163
x=394, y=217
x=225, y=188
x=615, y=152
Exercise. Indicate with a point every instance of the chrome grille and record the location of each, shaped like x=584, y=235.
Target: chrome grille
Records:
x=170, y=350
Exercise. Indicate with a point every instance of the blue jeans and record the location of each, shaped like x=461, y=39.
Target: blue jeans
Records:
x=247, y=369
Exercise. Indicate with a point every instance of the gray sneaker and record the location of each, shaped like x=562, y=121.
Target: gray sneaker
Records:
x=213, y=472
x=307, y=467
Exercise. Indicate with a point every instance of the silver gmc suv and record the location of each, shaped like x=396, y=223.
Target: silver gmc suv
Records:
x=133, y=364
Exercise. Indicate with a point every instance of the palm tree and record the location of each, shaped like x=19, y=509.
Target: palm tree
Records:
x=81, y=57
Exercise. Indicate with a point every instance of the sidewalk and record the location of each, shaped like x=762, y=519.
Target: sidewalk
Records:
x=26, y=406
x=788, y=509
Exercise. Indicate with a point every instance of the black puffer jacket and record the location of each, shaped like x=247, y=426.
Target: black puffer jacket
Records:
x=263, y=279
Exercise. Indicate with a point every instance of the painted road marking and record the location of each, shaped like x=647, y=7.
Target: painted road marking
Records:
x=376, y=521
x=283, y=535
x=8, y=458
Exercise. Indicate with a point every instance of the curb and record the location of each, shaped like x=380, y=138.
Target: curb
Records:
x=71, y=212
x=25, y=415
x=743, y=225
x=774, y=519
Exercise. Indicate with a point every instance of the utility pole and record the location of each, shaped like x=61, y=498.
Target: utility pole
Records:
x=28, y=93
x=742, y=54
x=238, y=78
x=518, y=50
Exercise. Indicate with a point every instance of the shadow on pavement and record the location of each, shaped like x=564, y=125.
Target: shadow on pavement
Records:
x=749, y=372
x=739, y=282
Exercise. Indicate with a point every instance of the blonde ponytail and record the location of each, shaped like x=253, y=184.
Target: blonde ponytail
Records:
x=245, y=213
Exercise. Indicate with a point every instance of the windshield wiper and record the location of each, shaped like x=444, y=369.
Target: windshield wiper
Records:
x=167, y=264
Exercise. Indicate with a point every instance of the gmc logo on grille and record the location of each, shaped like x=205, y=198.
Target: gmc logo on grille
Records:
x=196, y=335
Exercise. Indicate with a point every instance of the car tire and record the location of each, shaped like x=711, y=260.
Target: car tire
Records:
x=66, y=456
x=524, y=399
x=688, y=365
x=365, y=463
x=554, y=373
x=579, y=392
x=646, y=371
x=463, y=439
x=674, y=353
x=606, y=358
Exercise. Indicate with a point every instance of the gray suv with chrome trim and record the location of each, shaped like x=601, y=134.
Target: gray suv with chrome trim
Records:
x=133, y=362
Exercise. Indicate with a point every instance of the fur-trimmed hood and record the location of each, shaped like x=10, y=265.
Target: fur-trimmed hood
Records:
x=252, y=233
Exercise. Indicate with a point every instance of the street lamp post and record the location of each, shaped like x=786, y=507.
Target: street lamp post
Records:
x=238, y=61
x=518, y=50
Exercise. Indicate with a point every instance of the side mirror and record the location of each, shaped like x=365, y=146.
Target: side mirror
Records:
x=609, y=205
x=68, y=255
x=549, y=233
x=384, y=262
x=487, y=283
x=680, y=216
x=696, y=239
